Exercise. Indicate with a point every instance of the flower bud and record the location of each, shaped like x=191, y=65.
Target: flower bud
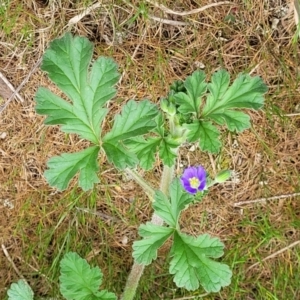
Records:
x=223, y=176
x=177, y=86
x=171, y=98
x=172, y=109
x=164, y=104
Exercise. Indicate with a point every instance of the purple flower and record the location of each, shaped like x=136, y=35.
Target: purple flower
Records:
x=193, y=179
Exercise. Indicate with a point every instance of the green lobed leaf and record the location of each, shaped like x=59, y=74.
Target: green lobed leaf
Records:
x=245, y=92
x=78, y=281
x=220, y=105
x=118, y=155
x=179, y=198
x=217, y=87
x=88, y=87
x=63, y=113
x=160, y=124
x=207, y=133
x=64, y=167
x=162, y=207
x=191, y=263
x=67, y=63
x=169, y=209
x=144, y=149
x=136, y=118
x=105, y=295
x=235, y=120
x=167, y=150
x=20, y=291
x=190, y=101
x=154, y=236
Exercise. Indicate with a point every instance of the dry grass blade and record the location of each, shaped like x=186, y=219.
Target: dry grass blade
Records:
x=292, y=115
x=11, y=261
x=100, y=214
x=86, y=12
x=190, y=12
x=296, y=11
x=263, y=200
x=275, y=254
x=169, y=22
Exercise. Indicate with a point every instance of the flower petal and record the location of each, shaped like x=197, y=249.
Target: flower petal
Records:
x=202, y=185
x=190, y=172
x=190, y=190
x=201, y=173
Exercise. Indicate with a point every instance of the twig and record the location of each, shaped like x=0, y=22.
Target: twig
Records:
x=263, y=200
x=190, y=12
x=275, y=254
x=3, y=106
x=11, y=261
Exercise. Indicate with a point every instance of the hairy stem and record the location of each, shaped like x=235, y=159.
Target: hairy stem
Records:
x=137, y=269
x=149, y=190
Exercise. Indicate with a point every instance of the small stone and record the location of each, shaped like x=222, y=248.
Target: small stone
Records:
x=275, y=22
x=7, y=203
x=199, y=65
x=192, y=148
x=3, y=135
x=124, y=240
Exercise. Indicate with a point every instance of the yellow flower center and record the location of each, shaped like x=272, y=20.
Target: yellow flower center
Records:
x=194, y=182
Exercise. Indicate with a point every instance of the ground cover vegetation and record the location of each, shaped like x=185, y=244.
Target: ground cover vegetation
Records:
x=154, y=44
